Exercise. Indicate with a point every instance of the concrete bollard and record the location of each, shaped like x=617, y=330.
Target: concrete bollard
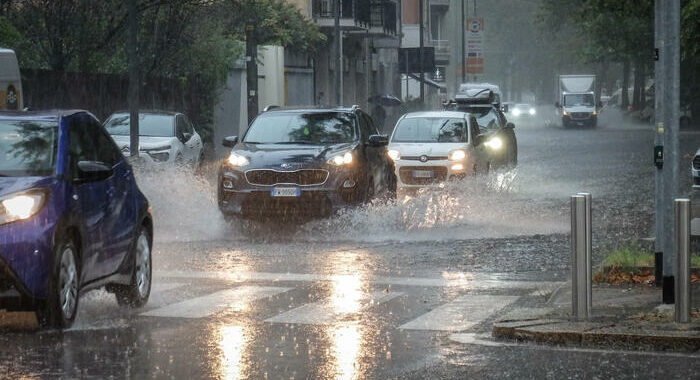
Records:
x=682, y=283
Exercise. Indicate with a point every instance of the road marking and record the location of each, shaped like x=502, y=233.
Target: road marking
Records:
x=161, y=287
x=460, y=314
x=235, y=299
x=461, y=280
x=483, y=340
x=329, y=311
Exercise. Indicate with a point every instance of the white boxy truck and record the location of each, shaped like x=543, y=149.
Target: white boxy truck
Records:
x=10, y=81
x=576, y=104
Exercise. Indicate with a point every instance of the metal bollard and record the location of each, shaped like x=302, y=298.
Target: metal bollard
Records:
x=589, y=253
x=580, y=267
x=682, y=286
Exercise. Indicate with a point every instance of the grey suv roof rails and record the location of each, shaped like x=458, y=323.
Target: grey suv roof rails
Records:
x=270, y=107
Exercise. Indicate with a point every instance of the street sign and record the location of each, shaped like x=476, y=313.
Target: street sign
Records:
x=409, y=60
x=475, y=36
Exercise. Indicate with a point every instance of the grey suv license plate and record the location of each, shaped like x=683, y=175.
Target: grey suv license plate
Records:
x=423, y=174
x=285, y=192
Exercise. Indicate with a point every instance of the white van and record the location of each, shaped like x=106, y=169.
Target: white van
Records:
x=10, y=81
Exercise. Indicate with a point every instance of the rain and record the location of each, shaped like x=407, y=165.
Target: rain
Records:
x=349, y=189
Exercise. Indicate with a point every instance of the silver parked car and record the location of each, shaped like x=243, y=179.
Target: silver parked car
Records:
x=164, y=137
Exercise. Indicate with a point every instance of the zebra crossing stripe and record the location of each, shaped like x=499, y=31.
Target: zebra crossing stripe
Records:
x=460, y=314
x=204, y=306
x=329, y=310
x=473, y=281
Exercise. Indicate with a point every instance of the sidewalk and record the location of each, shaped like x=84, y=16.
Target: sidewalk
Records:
x=624, y=316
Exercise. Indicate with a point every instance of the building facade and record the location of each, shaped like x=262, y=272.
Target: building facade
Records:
x=369, y=45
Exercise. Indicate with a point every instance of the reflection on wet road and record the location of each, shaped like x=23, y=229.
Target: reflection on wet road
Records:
x=386, y=291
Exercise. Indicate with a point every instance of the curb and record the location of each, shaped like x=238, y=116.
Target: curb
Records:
x=564, y=332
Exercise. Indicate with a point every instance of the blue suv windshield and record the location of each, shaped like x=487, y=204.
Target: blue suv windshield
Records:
x=302, y=128
x=27, y=147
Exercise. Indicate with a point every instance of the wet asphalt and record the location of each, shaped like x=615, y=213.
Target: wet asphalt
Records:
x=376, y=292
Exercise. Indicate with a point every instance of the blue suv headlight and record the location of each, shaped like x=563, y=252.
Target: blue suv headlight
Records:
x=22, y=205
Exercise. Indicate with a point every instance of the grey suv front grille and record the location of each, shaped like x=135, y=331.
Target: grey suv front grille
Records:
x=303, y=177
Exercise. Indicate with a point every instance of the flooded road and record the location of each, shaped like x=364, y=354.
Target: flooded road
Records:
x=376, y=292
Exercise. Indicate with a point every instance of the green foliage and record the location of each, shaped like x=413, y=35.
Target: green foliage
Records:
x=193, y=40
x=628, y=258
x=9, y=35
x=275, y=22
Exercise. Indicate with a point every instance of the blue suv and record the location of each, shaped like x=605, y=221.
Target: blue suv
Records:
x=71, y=216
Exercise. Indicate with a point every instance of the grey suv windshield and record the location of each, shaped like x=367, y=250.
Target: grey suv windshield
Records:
x=302, y=128
x=149, y=125
x=573, y=100
x=430, y=129
x=27, y=148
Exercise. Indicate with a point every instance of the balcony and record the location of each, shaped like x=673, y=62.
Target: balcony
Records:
x=383, y=17
x=440, y=4
x=354, y=14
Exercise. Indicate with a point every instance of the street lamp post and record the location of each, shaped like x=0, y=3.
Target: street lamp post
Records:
x=338, y=55
x=133, y=80
x=667, y=79
x=251, y=71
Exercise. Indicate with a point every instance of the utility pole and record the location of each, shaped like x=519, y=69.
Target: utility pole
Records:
x=463, y=48
x=338, y=55
x=251, y=52
x=134, y=81
x=658, y=146
x=421, y=55
x=668, y=95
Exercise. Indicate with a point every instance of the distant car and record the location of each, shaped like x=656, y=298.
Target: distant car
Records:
x=71, y=216
x=10, y=81
x=304, y=163
x=164, y=137
x=429, y=148
x=522, y=110
x=500, y=134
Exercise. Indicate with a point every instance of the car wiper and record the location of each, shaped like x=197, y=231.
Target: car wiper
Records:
x=296, y=142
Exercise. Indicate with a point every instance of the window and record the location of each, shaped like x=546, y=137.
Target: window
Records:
x=27, y=147
x=474, y=126
x=89, y=143
x=189, y=127
x=430, y=129
x=489, y=120
x=365, y=126
x=372, y=126
x=149, y=125
x=302, y=128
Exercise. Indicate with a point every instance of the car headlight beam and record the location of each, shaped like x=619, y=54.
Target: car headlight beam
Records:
x=532, y=111
x=516, y=112
x=495, y=143
x=394, y=154
x=235, y=159
x=21, y=206
x=458, y=155
x=341, y=159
